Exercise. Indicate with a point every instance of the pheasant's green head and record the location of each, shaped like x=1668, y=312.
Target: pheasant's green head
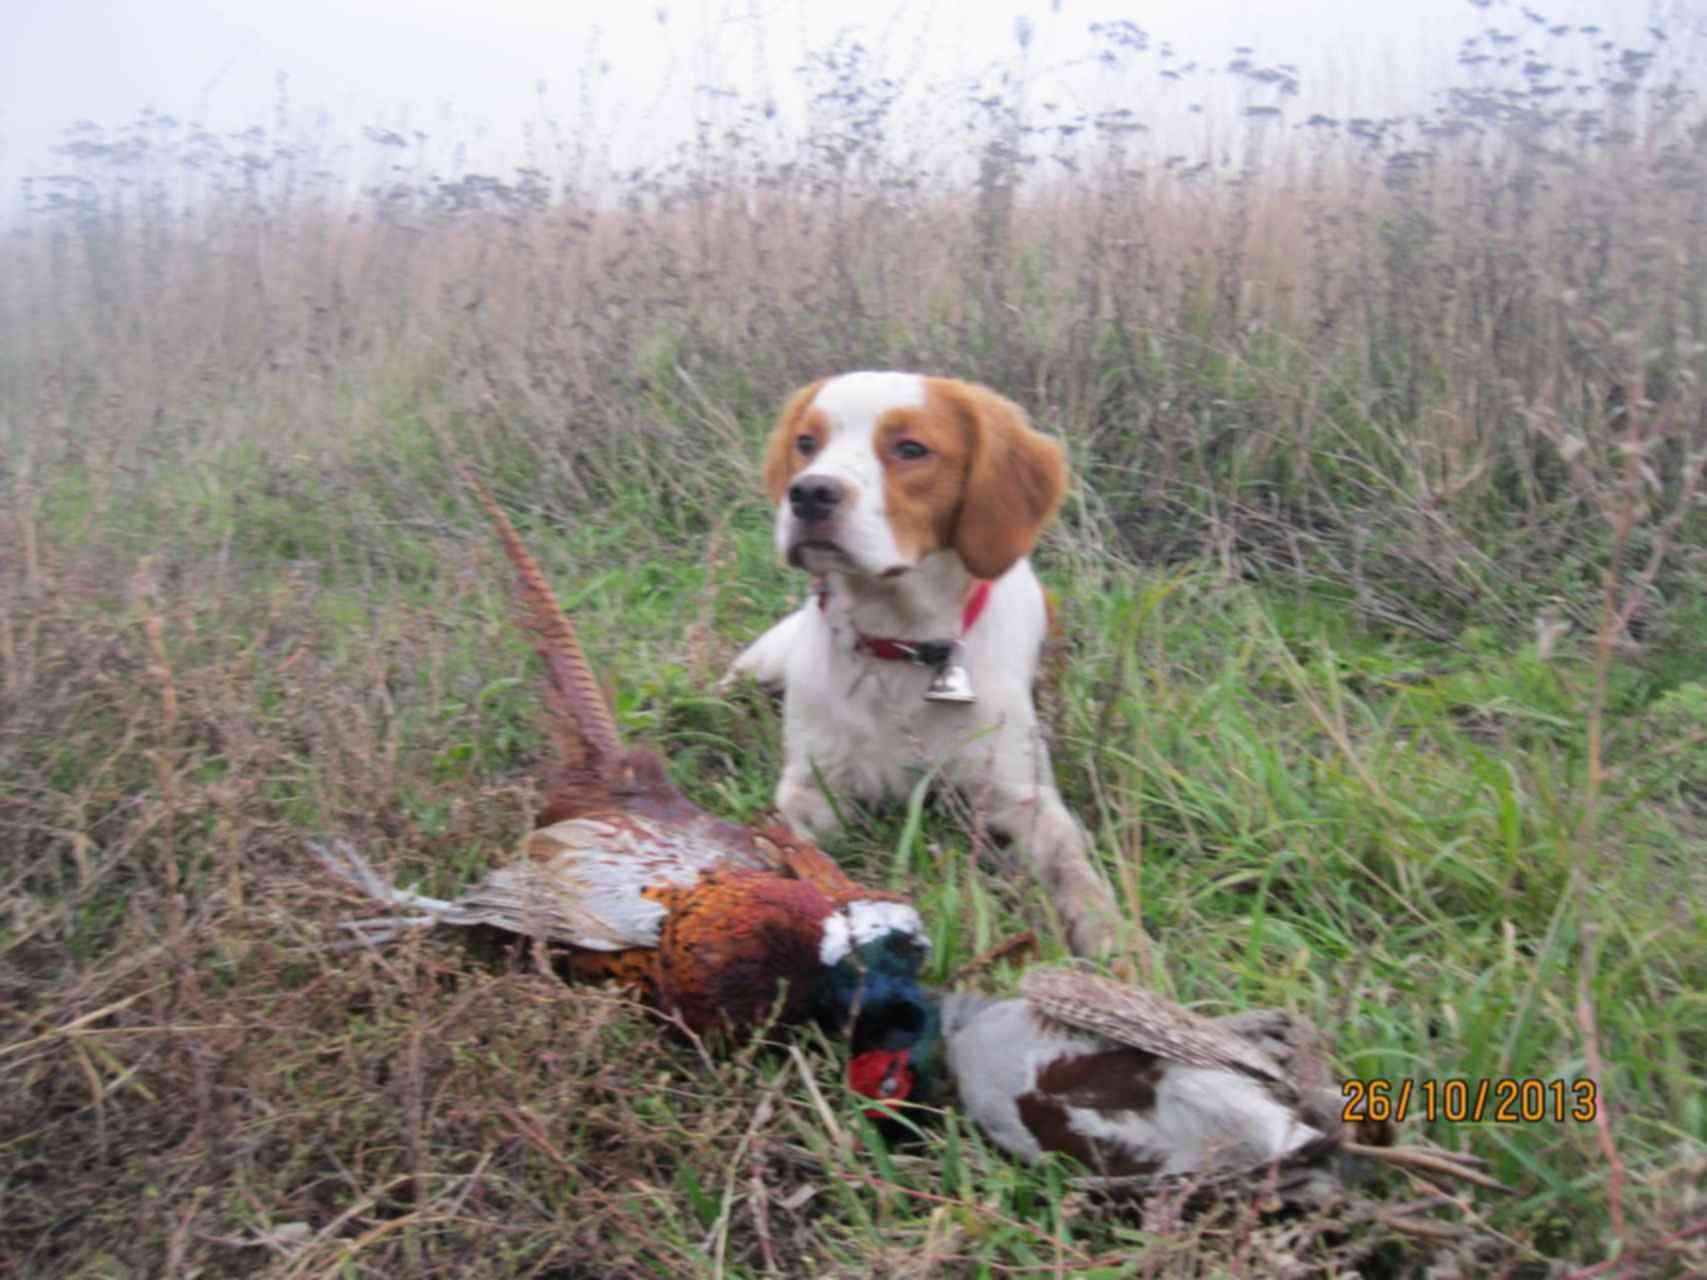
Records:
x=871, y=954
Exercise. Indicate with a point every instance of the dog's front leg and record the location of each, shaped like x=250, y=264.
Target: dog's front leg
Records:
x=1051, y=839
x=803, y=805
x=766, y=659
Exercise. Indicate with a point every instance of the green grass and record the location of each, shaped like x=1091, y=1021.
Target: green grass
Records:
x=1372, y=831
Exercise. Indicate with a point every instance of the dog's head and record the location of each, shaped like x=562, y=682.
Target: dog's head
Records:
x=872, y=472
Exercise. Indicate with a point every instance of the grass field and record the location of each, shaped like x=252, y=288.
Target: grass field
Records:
x=1384, y=687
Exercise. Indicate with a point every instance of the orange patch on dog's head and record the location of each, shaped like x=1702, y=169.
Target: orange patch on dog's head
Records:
x=1011, y=477
x=925, y=454
x=783, y=457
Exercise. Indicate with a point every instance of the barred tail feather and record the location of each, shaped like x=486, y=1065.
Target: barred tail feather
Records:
x=1451, y=1164
x=581, y=719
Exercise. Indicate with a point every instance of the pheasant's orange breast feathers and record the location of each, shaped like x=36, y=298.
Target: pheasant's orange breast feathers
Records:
x=636, y=967
x=742, y=895
x=738, y=944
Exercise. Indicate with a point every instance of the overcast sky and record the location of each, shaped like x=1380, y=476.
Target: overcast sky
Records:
x=426, y=63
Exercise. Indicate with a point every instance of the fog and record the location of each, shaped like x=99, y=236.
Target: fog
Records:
x=479, y=78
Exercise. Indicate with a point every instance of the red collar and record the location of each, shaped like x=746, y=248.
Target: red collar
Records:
x=927, y=653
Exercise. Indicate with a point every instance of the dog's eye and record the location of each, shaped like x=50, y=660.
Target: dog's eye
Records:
x=806, y=445
x=911, y=450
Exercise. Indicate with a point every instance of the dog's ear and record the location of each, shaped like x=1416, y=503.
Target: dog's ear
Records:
x=1015, y=479
x=779, y=451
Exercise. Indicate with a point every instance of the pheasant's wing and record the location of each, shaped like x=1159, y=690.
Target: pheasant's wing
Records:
x=607, y=876
x=600, y=882
x=1144, y=1020
x=796, y=856
x=580, y=718
x=1300, y=1049
x=792, y=855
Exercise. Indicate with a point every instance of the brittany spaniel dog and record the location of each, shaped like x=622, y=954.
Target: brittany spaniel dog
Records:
x=913, y=502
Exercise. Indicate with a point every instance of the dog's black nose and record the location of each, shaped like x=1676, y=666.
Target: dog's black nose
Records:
x=815, y=498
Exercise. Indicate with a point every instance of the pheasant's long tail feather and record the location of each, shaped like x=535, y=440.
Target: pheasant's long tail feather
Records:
x=1429, y=1160
x=581, y=720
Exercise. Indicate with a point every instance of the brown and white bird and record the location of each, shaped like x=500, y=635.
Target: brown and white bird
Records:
x=1128, y=1083
x=721, y=924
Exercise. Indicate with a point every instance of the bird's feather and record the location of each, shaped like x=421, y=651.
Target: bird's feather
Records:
x=580, y=717
x=597, y=883
x=799, y=858
x=730, y=945
x=1143, y=1020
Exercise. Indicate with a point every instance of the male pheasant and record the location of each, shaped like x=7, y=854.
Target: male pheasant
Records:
x=719, y=924
x=1128, y=1083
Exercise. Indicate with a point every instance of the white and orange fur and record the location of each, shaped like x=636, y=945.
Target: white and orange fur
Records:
x=899, y=492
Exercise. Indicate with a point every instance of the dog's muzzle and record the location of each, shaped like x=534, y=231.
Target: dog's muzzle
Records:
x=814, y=500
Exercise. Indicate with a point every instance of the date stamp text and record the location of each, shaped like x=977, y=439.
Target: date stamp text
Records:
x=1507, y=1100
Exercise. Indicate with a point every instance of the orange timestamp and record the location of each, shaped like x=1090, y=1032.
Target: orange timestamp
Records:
x=1507, y=1100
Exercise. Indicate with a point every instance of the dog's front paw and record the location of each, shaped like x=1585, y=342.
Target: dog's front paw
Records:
x=765, y=661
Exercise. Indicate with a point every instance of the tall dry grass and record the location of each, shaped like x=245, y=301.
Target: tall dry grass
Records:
x=1360, y=351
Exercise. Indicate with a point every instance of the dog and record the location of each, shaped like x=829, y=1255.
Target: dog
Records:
x=914, y=501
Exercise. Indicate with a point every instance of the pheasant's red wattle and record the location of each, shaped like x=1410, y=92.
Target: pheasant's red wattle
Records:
x=880, y=1073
